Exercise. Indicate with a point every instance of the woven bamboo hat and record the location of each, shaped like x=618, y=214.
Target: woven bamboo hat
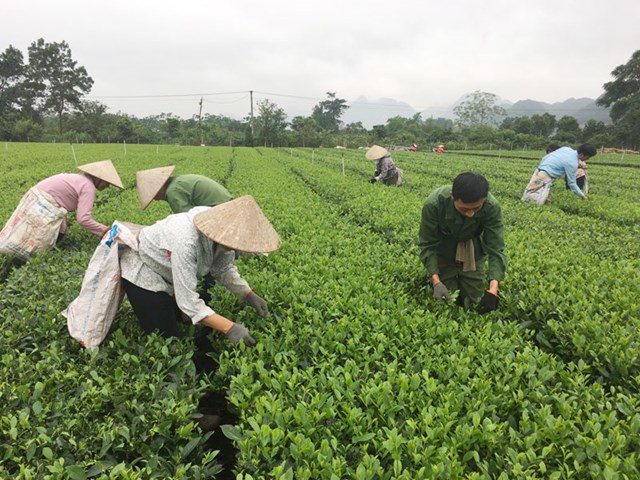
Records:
x=240, y=225
x=149, y=182
x=104, y=170
x=376, y=152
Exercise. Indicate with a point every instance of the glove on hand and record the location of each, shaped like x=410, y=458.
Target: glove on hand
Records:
x=489, y=303
x=239, y=332
x=258, y=303
x=440, y=292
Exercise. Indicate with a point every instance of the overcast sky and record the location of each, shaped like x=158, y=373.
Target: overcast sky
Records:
x=427, y=53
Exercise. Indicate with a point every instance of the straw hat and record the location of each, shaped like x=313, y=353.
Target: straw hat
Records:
x=149, y=182
x=104, y=170
x=240, y=225
x=376, y=152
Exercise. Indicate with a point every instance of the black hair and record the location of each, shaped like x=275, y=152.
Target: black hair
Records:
x=470, y=187
x=588, y=150
x=552, y=147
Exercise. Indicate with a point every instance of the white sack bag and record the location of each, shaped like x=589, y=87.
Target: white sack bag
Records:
x=33, y=227
x=91, y=314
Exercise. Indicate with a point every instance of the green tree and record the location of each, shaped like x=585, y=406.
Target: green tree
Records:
x=483, y=136
x=357, y=135
x=523, y=125
x=172, y=127
x=543, y=125
x=591, y=129
x=568, y=130
x=90, y=119
x=12, y=71
x=270, y=123
x=26, y=130
x=328, y=112
x=623, y=96
x=479, y=109
x=124, y=127
x=379, y=134
x=307, y=132
x=56, y=79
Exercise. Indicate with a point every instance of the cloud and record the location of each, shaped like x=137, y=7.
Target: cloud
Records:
x=423, y=53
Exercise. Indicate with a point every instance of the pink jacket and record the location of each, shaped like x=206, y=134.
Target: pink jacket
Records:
x=73, y=191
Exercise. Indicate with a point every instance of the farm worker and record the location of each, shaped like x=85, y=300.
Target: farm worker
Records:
x=552, y=147
x=182, y=192
x=160, y=278
x=440, y=148
x=563, y=161
x=41, y=216
x=413, y=148
x=386, y=171
x=461, y=226
x=581, y=177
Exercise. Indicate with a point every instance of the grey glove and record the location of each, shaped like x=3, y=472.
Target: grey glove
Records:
x=440, y=292
x=239, y=332
x=258, y=303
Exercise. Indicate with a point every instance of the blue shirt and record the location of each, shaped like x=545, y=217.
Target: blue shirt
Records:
x=563, y=161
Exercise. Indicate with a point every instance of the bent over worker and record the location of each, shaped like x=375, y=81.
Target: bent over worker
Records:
x=386, y=171
x=563, y=161
x=182, y=192
x=41, y=216
x=160, y=278
x=461, y=227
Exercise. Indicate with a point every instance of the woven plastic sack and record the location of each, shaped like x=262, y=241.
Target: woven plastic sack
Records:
x=91, y=314
x=33, y=227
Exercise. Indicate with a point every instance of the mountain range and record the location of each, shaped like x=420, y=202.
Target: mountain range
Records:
x=378, y=111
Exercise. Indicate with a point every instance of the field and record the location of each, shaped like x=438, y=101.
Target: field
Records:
x=358, y=373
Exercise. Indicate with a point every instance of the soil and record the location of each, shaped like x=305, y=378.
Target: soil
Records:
x=215, y=403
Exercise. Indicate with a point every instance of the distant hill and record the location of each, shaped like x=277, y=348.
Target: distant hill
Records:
x=582, y=109
x=377, y=111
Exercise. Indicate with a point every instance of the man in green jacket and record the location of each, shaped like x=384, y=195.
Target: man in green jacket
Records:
x=461, y=226
x=182, y=192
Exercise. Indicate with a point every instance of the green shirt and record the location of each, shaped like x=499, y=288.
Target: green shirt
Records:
x=187, y=191
x=442, y=227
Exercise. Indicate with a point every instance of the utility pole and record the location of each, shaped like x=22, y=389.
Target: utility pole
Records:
x=251, y=119
x=200, y=123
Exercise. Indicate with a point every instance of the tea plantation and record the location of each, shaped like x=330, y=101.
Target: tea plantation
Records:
x=358, y=373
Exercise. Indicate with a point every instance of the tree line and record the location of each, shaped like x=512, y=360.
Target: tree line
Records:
x=42, y=99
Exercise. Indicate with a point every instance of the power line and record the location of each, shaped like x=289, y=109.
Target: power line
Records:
x=170, y=96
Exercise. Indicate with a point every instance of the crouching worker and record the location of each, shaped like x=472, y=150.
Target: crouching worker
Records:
x=461, y=226
x=161, y=278
x=181, y=192
x=41, y=216
x=386, y=171
x=559, y=162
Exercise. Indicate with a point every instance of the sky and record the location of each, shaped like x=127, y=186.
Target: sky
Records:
x=153, y=57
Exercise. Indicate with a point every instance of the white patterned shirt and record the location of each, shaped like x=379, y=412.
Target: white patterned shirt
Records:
x=173, y=255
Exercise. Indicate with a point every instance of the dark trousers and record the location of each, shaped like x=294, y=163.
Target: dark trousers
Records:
x=155, y=310
x=579, y=182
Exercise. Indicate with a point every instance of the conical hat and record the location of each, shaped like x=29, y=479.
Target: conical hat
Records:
x=149, y=182
x=376, y=152
x=240, y=225
x=104, y=170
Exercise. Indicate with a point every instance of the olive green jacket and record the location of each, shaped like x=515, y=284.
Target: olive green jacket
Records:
x=187, y=191
x=442, y=227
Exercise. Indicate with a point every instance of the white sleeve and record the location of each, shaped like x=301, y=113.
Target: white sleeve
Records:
x=185, y=283
x=226, y=273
